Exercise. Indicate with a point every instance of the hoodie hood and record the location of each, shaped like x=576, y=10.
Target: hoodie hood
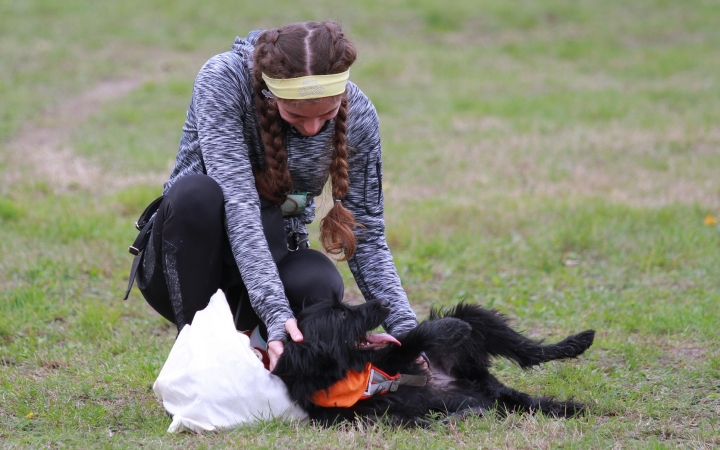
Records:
x=246, y=46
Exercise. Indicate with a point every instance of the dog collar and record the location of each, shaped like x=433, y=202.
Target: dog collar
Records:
x=363, y=385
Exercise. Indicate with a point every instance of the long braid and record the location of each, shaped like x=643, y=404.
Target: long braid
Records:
x=273, y=182
x=336, y=228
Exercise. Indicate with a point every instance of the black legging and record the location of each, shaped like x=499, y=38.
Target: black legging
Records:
x=189, y=258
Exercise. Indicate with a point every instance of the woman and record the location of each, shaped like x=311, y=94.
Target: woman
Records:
x=268, y=122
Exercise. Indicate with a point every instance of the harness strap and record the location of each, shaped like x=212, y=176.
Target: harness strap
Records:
x=413, y=380
x=363, y=385
x=381, y=383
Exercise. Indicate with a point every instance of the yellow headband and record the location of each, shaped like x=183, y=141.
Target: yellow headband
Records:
x=312, y=86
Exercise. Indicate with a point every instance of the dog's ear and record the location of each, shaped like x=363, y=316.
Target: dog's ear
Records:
x=308, y=360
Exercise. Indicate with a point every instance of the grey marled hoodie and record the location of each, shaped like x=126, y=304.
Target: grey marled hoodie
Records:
x=221, y=131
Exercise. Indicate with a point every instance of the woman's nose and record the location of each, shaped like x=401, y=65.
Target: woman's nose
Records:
x=312, y=126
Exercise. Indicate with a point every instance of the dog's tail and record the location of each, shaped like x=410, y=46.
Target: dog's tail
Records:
x=491, y=331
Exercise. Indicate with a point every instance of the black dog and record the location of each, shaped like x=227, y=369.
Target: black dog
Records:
x=458, y=343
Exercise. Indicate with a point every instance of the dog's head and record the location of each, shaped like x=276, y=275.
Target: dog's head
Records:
x=334, y=340
x=335, y=323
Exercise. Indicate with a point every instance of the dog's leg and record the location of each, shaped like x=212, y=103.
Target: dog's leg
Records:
x=456, y=404
x=418, y=406
x=516, y=401
x=491, y=334
x=331, y=416
x=440, y=335
x=512, y=400
x=570, y=347
x=398, y=409
x=465, y=413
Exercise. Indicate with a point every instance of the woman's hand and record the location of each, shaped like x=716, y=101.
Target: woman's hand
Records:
x=275, y=348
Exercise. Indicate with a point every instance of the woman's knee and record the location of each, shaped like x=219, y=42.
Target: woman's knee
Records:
x=196, y=199
x=309, y=276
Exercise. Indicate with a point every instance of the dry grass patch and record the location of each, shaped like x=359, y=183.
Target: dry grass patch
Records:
x=629, y=166
x=43, y=150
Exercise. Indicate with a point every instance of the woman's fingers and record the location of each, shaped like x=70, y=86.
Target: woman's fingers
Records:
x=293, y=330
x=275, y=349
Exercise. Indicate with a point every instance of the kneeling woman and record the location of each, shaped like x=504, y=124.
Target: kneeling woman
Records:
x=268, y=122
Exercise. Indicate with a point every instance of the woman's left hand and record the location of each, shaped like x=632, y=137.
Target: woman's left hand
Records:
x=275, y=348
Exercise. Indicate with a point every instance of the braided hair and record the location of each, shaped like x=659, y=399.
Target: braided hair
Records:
x=296, y=50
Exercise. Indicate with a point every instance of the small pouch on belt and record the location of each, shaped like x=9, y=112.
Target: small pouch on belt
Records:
x=294, y=204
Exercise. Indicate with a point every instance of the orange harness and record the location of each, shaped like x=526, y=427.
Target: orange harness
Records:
x=358, y=386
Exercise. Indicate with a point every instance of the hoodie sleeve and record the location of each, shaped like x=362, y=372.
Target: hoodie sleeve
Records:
x=372, y=264
x=219, y=109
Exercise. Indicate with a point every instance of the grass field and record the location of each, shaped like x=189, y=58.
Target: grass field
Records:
x=557, y=160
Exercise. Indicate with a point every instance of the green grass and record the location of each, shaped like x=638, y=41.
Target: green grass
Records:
x=554, y=160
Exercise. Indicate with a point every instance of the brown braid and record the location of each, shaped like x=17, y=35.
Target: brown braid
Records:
x=283, y=53
x=336, y=228
x=274, y=181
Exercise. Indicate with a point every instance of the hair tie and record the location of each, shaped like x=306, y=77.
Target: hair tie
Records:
x=338, y=201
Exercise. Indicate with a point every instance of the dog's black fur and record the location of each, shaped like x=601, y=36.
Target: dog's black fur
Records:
x=458, y=342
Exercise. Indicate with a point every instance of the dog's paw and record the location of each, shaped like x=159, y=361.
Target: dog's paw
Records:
x=576, y=344
x=566, y=410
x=476, y=411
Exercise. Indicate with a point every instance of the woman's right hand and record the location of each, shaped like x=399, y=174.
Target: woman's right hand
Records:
x=275, y=348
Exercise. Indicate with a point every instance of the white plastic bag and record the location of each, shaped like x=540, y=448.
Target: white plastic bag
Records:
x=212, y=379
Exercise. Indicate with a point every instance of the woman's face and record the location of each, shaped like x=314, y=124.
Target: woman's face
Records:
x=310, y=117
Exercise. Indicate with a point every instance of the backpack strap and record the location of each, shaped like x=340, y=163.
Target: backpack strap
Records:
x=144, y=224
x=272, y=222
